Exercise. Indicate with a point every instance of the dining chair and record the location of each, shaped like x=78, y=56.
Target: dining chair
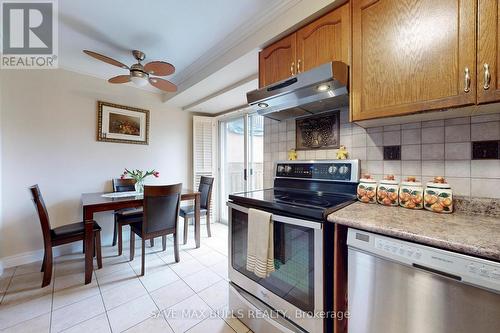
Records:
x=187, y=212
x=160, y=217
x=124, y=216
x=65, y=234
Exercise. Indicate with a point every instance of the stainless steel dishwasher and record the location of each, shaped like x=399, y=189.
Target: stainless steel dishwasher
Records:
x=401, y=287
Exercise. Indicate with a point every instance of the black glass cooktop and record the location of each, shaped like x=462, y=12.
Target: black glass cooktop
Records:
x=294, y=202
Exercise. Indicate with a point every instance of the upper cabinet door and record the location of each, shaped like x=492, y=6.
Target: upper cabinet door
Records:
x=488, y=57
x=277, y=61
x=324, y=40
x=412, y=55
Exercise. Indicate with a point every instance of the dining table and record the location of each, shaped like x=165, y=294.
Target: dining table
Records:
x=104, y=201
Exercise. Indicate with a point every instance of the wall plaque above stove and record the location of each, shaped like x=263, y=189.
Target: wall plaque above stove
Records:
x=321, y=131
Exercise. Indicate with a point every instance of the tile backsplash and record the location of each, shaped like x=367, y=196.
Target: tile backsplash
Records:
x=428, y=149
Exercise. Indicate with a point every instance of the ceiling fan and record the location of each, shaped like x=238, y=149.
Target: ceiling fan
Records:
x=140, y=75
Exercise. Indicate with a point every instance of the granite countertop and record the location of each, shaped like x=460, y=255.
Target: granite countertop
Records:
x=473, y=235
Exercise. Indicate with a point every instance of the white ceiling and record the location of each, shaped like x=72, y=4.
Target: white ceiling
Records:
x=213, y=44
x=223, y=90
x=229, y=99
x=179, y=32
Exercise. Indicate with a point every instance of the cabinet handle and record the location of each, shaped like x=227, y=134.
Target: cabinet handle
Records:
x=487, y=77
x=298, y=66
x=292, y=67
x=467, y=80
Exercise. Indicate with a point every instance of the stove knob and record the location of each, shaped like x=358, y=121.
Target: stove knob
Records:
x=281, y=168
x=288, y=169
x=343, y=170
x=332, y=169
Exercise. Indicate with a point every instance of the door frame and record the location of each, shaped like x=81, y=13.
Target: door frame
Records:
x=246, y=159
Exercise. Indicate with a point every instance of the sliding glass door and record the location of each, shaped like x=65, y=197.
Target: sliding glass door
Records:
x=255, y=152
x=241, y=159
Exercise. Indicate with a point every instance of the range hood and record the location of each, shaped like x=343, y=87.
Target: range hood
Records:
x=319, y=89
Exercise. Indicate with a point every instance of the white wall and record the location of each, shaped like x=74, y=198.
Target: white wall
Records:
x=48, y=133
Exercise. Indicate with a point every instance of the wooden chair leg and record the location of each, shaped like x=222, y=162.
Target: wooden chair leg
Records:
x=115, y=233
x=186, y=220
x=152, y=242
x=97, y=247
x=43, y=262
x=47, y=269
x=164, y=242
x=208, y=224
x=176, y=247
x=132, y=244
x=120, y=239
x=143, y=256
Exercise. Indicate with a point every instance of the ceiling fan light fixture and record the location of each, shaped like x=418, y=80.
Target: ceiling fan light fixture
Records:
x=139, y=81
x=139, y=74
x=139, y=78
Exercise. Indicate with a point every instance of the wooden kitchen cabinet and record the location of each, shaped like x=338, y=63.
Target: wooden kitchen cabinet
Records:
x=277, y=61
x=324, y=40
x=488, y=57
x=412, y=55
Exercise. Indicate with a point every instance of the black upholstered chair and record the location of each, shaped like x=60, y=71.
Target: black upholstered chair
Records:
x=187, y=213
x=124, y=216
x=68, y=233
x=161, y=214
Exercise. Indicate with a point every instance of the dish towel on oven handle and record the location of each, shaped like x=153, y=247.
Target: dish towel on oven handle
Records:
x=260, y=250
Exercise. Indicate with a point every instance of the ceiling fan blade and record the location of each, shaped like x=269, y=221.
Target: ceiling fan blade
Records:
x=162, y=84
x=159, y=68
x=105, y=59
x=120, y=79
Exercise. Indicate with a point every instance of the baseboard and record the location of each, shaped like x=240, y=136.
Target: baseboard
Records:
x=22, y=258
x=36, y=255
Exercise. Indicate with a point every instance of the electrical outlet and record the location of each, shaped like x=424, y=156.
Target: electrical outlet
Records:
x=392, y=153
x=485, y=150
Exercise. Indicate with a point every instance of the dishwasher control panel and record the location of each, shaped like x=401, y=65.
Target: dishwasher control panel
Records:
x=462, y=268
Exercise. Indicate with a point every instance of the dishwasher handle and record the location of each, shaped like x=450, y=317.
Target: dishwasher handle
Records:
x=438, y=272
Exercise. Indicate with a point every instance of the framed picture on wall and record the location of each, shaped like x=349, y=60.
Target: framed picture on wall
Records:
x=320, y=131
x=123, y=124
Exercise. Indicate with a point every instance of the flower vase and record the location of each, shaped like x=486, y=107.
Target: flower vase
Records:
x=139, y=186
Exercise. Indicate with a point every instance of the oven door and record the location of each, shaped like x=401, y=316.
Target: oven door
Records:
x=295, y=289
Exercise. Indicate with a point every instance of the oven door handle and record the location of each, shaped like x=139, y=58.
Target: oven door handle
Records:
x=282, y=219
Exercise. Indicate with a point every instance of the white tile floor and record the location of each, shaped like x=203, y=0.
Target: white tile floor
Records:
x=118, y=299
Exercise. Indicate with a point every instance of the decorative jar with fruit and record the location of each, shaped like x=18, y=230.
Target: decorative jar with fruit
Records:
x=367, y=189
x=411, y=194
x=387, y=191
x=438, y=196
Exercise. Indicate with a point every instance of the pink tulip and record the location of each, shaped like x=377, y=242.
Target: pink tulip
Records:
x=156, y=174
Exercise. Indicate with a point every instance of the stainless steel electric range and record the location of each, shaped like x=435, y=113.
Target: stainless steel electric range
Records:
x=298, y=296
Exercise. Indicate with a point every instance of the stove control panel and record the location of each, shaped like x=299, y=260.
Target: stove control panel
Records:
x=337, y=170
